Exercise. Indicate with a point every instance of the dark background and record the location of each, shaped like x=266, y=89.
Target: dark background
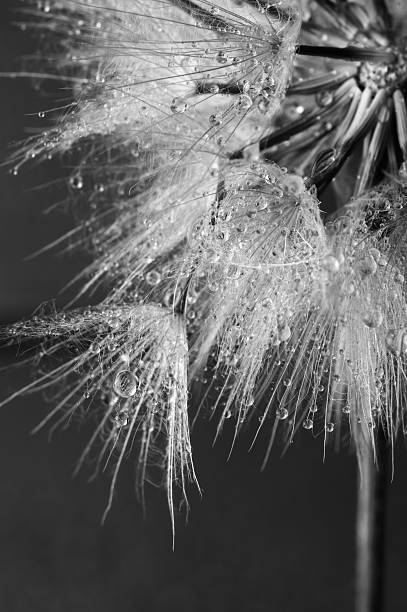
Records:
x=279, y=540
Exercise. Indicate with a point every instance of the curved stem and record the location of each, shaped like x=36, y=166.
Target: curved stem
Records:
x=370, y=527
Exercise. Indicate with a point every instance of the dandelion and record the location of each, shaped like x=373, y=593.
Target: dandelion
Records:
x=211, y=140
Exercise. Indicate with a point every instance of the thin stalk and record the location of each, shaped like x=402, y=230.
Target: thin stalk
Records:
x=350, y=53
x=370, y=527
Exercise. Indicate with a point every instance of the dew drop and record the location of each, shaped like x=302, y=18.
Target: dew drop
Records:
x=308, y=424
x=324, y=98
x=367, y=265
x=222, y=57
x=373, y=319
x=121, y=419
x=125, y=384
x=215, y=120
x=179, y=105
x=76, y=181
x=153, y=278
x=331, y=264
x=330, y=427
x=282, y=413
x=403, y=169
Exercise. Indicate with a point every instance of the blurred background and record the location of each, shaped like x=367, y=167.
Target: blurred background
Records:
x=280, y=540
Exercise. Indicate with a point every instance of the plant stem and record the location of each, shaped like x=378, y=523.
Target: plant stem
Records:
x=370, y=527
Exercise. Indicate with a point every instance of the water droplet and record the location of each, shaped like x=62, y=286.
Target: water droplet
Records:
x=403, y=170
x=222, y=57
x=125, y=384
x=179, y=105
x=324, y=98
x=367, y=265
x=153, y=278
x=308, y=424
x=282, y=413
x=329, y=427
x=41, y=114
x=215, y=120
x=373, y=318
x=244, y=103
x=284, y=333
x=331, y=264
x=76, y=181
x=121, y=419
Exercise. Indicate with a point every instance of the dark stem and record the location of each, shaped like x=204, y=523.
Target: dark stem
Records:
x=353, y=54
x=370, y=527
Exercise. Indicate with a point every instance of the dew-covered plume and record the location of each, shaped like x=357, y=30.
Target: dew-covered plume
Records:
x=126, y=367
x=253, y=262
x=143, y=70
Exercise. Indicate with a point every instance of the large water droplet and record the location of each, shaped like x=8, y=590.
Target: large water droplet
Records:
x=222, y=57
x=282, y=413
x=153, y=278
x=308, y=424
x=324, y=98
x=76, y=181
x=179, y=105
x=373, y=318
x=125, y=384
x=367, y=265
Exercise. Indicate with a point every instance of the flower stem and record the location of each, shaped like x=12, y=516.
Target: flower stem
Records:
x=350, y=53
x=370, y=527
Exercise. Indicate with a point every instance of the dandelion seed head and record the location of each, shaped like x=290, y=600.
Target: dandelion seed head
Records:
x=203, y=136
